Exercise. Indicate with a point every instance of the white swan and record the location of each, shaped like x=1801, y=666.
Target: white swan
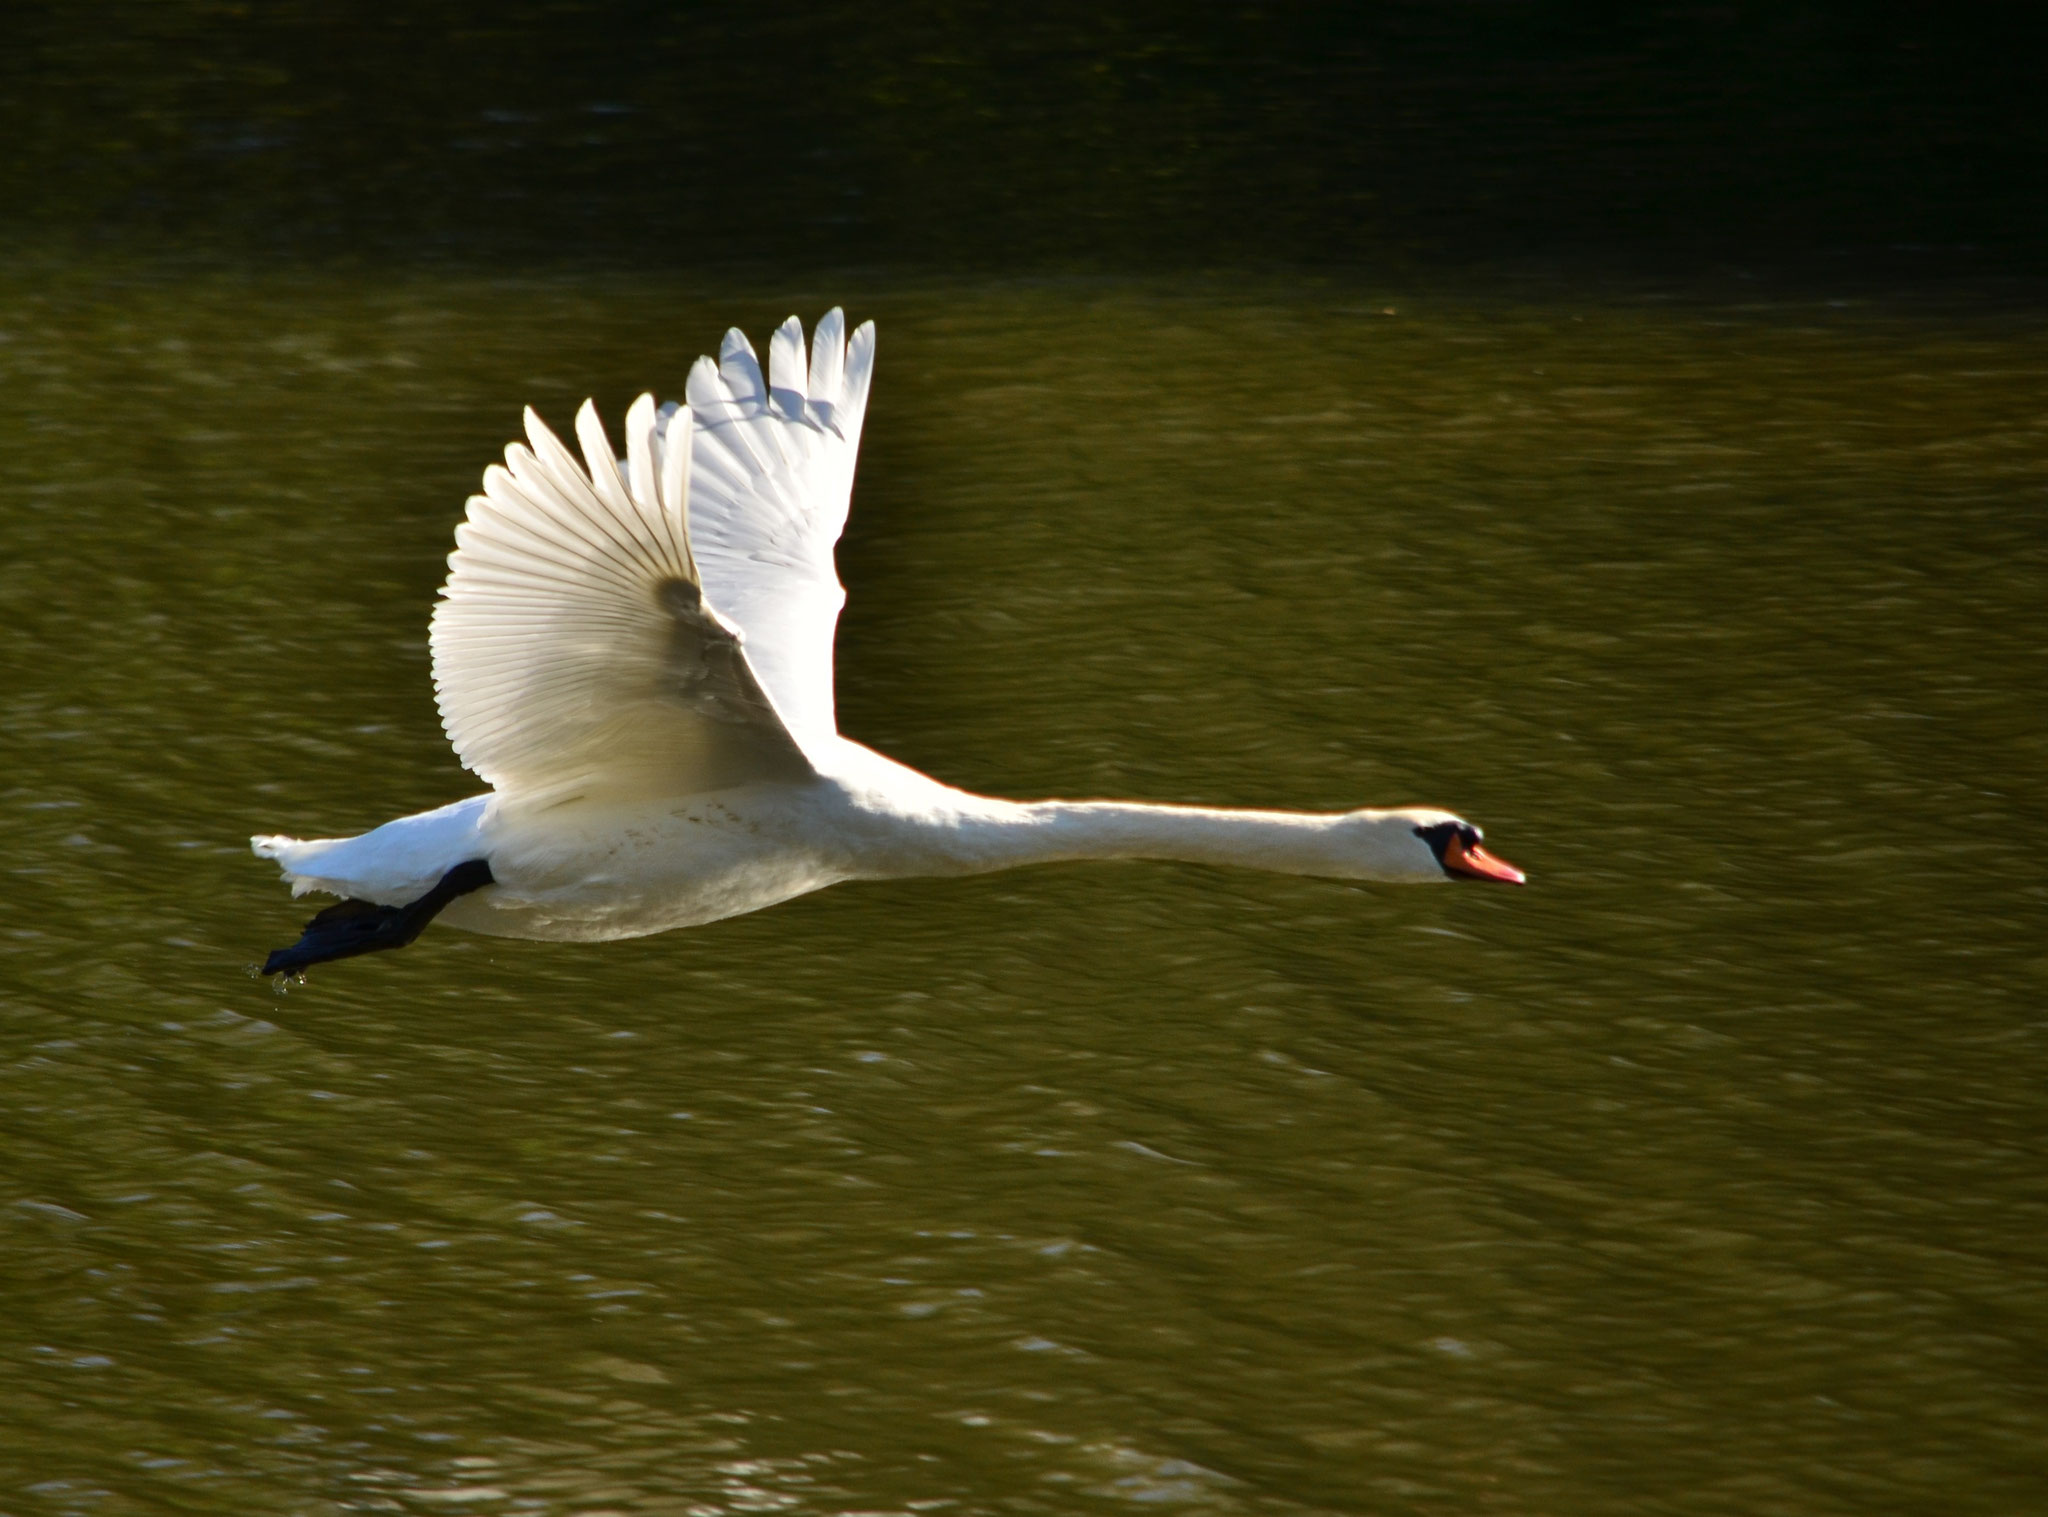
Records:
x=637, y=655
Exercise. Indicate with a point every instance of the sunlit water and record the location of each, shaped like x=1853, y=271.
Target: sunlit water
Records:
x=1703, y=1176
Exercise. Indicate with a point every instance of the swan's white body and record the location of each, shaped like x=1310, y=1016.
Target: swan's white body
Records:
x=637, y=655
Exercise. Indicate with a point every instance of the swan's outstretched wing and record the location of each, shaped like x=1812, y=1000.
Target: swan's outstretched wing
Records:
x=574, y=648
x=768, y=497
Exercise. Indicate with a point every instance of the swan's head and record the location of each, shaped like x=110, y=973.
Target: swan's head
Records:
x=1447, y=846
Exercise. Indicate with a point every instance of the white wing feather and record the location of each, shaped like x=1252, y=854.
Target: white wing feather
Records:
x=590, y=634
x=574, y=649
x=770, y=485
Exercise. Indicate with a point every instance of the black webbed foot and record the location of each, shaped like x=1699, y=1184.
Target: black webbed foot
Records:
x=350, y=927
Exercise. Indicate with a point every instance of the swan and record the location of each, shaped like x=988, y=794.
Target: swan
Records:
x=636, y=655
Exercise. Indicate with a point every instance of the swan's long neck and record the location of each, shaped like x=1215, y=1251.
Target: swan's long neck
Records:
x=996, y=834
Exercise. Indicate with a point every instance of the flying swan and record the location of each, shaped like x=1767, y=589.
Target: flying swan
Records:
x=636, y=655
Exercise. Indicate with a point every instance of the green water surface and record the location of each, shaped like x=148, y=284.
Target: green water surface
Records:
x=1703, y=1176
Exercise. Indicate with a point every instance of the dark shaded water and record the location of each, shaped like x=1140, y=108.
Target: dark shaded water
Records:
x=1703, y=1176
x=944, y=134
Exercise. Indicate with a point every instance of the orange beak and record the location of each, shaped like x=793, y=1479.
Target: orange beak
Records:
x=1478, y=864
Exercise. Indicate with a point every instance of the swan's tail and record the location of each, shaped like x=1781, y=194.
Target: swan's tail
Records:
x=297, y=858
x=388, y=866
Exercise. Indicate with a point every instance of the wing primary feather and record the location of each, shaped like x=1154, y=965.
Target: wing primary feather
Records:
x=786, y=365
x=787, y=379
x=644, y=460
x=741, y=371
x=860, y=370
x=602, y=464
x=640, y=465
x=828, y=358
x=675, y=483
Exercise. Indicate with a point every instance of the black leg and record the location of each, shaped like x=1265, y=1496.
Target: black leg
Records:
x=350, y=927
